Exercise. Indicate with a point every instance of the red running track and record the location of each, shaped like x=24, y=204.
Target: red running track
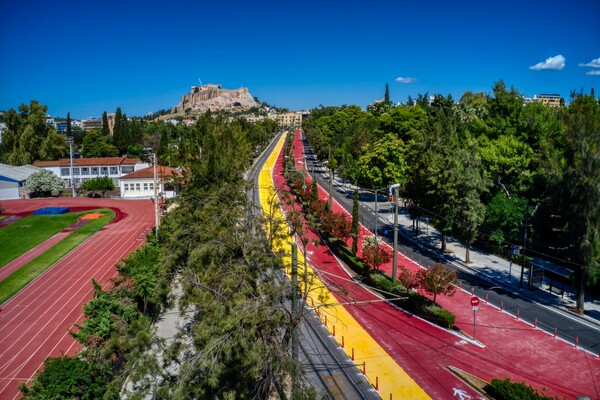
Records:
x=34, y=323
x=512, y=348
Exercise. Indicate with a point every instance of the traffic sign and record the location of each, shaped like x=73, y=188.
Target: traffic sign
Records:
x=474, y=301
x=475, y=308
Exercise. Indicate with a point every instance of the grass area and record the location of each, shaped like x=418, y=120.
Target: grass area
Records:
x=28, y=272
x=24, y=234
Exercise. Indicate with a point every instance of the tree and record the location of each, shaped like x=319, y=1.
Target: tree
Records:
x=101, y=184
x=355, y=217
x=69, y=128
x=437, y=280
x=470, y=187
x=504, y=215
x=28, y=138
x=43, y=183
x=314, y=193
x=383, y=163
x=386, y=97
x=374, y=254
x=95, y=145
x=579, y=186
x=120, y=132
x=105, y=128
x=66, y=378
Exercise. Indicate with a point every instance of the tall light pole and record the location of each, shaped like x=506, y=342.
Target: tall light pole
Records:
x=394, y=188
x=70, y=141
x=156, y=212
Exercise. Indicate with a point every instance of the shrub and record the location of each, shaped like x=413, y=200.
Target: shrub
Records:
x=43, y=183
x=506, y=390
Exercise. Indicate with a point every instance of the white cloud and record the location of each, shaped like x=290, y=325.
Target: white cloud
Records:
x=405, y=80
x=593, y=73
x=555, y=63
x=594, y=64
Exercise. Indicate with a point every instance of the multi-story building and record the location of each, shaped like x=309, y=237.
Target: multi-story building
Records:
x=88, y=168
x=91, y=123
x=552, y=100
x=290, y=119
x=140, y=184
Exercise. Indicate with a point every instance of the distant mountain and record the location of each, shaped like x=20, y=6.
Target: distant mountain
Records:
x=214, y=97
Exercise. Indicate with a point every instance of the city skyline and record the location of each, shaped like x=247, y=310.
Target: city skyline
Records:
x=85, y=59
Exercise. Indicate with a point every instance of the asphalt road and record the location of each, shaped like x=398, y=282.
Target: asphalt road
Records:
x=569, y=327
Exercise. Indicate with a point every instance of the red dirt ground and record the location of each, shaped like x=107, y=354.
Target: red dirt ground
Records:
x=34, y=323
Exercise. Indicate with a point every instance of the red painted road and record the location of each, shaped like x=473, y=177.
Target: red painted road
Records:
x=34, y=323
x=513, y=348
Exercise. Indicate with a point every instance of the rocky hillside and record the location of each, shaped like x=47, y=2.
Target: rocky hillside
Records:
x=213, y=97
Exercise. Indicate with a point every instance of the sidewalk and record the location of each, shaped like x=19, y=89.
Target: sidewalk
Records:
x=488, y=266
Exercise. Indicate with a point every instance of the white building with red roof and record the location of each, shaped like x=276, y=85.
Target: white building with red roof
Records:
x=140, y=184
x=88, y=168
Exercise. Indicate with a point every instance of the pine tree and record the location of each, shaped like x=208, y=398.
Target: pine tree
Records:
x=105, y=128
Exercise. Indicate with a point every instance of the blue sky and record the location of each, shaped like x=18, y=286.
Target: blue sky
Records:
x=86, y=57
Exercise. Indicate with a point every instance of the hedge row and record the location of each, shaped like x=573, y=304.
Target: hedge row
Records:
x=506, y=390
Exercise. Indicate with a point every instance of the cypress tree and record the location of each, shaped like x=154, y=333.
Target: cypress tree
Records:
x=105, y=129
x=69, y=124
x=355, y=216
x=119, y=131
x=314, y=194
x=386, y=98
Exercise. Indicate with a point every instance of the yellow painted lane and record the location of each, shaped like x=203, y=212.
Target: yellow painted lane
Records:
x=391, y=377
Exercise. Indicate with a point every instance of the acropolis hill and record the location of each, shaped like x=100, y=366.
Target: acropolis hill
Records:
x=213, y=97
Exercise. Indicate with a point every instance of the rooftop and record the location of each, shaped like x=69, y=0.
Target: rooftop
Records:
x=78, y=162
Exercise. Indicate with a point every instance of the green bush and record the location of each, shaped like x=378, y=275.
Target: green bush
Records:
x=507, y=390
x=341, y=250
x=413, y=302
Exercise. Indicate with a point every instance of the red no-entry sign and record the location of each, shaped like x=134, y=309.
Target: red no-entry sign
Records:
x=474, y=301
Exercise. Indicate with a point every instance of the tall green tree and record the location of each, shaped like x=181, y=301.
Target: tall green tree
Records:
x=471, y=186
x=355, y=217
x=579, y=186
x=120, y=132
x=383, y=163
x=96, y=145
x=69, y=128
x=386, y=97
x=28, y=138
x=105, y=128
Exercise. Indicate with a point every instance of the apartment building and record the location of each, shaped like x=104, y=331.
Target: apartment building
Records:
x=290, y=119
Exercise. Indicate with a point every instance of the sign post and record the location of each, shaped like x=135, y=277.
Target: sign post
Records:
x=474, y=304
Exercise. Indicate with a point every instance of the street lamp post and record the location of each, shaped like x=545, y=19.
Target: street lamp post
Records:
x=156, y=211
x=70, y=141
x=394, y=188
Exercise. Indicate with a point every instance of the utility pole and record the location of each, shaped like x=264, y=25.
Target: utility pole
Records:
x=330, y=180
x=525, y=244
x=156, y=211
x=70, y=140
x=295, y=321
x=395, y=256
